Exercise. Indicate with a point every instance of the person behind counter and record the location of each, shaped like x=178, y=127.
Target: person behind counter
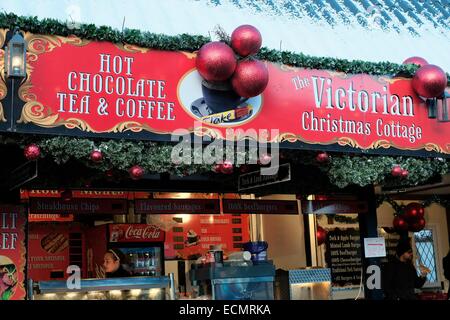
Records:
x=113, y=262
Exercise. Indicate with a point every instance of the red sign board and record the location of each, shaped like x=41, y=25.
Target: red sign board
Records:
x=12, y=253
x=170, y=206
x=260, y=206
x=112, y=89
x=135, y=233
x=77, y=206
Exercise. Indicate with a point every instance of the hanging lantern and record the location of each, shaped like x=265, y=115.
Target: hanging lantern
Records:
x=15, y=56
x=443, y=106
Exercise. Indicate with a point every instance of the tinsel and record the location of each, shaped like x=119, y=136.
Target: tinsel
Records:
x=186, y=42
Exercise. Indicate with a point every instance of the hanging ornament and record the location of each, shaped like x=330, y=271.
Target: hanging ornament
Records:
x=136, y=172
x=416, y=60
x=322, y=157
x=246, y=40
x=400, y=224
x=250, y=78
x=227, y=167
x=418, y=225
x=321, y=235
x=429, y=81
x=404, y=173
x=96, y=156
x=264, y=159
x=217, y=168
x=414, y=211
x=396, y=171
x=215, y=61
x=32, y=152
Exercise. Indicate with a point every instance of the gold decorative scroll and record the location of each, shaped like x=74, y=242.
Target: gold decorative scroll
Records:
x=131, y=48
x=3, y=87
x=287, y=68
x=2, y=37
x=190, y=55
x=37, y=113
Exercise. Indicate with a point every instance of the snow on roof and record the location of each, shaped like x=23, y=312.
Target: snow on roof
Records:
x=372, y=30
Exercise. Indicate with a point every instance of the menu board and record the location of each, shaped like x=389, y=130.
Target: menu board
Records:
x=343, y=256
x=12, y=253
x=190, y=236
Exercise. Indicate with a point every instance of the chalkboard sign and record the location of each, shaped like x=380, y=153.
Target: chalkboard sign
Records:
x=343, y=256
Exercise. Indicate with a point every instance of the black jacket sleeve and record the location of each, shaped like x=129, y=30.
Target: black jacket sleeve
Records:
x=387, y=276
x=446, y=265
x=419, y=282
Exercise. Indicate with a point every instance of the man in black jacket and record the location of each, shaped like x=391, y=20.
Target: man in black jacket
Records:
x=446, y=262
x=399, y=277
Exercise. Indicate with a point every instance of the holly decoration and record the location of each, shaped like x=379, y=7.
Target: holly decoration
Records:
x=321, y=235
x=396, y=171
x=215, y=61
x=246, y=40
x=96, y=156
x=429, y=81
x=400, y=223
x=136, y=172
x=265, y=159
x=416, y=60
x=32, y=152
x=226, y=167
x=322, y=157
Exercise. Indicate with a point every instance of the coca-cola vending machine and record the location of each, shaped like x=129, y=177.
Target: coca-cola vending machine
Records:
x=143, y=245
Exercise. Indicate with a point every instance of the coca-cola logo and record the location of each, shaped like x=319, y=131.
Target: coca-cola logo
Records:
x=142, y=233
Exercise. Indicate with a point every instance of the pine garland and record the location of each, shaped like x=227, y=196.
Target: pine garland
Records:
x=186, y=42
x=398, y=208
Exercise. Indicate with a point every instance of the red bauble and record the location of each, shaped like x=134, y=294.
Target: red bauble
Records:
x=217, y=168
x=32, y=152
x=417, y=226
x=416, y=60
x=400, y=224
x=96, y=156
x=227, y=167
x=322, y=157
x=244, y=168
x=396, y=171
x=429, y=81
x=265, y=159
x=321, y=235
x=250, y=78
x=414, y=211
x=246, y=40
x=136, y=172
x=215, y=61
x=404, y=173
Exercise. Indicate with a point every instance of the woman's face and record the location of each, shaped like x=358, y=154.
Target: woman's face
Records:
x=109, y=263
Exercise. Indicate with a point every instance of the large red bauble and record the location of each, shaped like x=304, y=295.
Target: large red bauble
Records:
x=136, y=172
x=96, y=156
x=32, y=152
x=216, y=61
x=417, y=226
x=414, y=211
x=396, y=171
x=250, y=78
x=429, y=81
x=321, y=235
x=416, y=60
x=227, y=167
x=246, y=40
x=400, y=224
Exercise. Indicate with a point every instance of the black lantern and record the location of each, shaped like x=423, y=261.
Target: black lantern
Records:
x=15, y=56
x=443, y=108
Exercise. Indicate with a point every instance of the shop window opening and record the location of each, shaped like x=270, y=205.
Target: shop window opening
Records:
x=426, y=255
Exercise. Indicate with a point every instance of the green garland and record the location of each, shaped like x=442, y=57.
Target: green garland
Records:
x=345, y=170
x=398, y=208
x=186, y=42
